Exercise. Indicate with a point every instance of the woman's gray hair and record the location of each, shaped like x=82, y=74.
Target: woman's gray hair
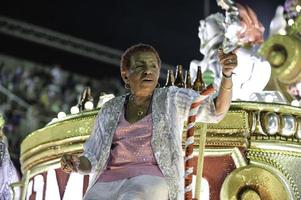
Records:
x=126, y=56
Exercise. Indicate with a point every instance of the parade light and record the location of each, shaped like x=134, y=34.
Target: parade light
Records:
x=290, y=22
x=54, y=120
x=298, y=8
x=61, y=115
x=74, y=110
x=89, y=105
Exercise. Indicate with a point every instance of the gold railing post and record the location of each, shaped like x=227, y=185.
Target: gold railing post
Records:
x=201, y=131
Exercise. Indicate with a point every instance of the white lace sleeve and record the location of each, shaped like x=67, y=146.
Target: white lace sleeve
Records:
x=183, y=98
x=91, y=146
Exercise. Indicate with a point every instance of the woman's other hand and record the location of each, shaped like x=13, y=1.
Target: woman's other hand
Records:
x=70, y=163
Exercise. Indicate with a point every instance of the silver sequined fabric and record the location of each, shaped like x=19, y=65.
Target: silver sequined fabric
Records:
x=8, y=175
x=170, y=108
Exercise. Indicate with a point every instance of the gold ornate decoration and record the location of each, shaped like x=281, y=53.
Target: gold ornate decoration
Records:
x=284, y=54
x=252, y=182
x=227, y=133
x=245, y=126
x=283, y=157
x=75, y=125
x=235, y=121
x=265, y=156
x=52, y=141
x=1, y=121
x=267, y=107
x=271, y=121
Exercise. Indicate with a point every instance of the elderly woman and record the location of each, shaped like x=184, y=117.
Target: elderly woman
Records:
x=135, y=149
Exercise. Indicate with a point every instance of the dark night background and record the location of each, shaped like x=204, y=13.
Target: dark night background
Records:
x=170, y=26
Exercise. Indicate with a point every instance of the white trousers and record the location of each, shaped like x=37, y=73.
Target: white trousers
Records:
x=142, y=187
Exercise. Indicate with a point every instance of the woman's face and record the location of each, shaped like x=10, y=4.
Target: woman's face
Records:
x=143, y=73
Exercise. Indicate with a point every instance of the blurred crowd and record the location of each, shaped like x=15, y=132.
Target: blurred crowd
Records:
x=32, y=94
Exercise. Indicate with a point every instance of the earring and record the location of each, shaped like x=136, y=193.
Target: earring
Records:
x=127, y=86
x=158, y=85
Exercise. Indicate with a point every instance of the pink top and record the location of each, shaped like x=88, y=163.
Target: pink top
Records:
x=131, y=152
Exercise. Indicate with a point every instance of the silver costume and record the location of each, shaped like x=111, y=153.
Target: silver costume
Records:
x=170, y=108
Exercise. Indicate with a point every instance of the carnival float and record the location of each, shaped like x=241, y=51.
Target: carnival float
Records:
x=253, y=153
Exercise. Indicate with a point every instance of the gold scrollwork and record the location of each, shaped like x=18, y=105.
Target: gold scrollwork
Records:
x=264, y=156
x=252, y=182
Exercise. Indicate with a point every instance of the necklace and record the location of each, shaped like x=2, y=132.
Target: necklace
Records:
x=141, y=109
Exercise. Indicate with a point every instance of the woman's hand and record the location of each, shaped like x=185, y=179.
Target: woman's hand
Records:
x=70, y=163
x=228, y=62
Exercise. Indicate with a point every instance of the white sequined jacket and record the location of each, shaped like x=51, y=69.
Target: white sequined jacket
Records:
x=170, y=107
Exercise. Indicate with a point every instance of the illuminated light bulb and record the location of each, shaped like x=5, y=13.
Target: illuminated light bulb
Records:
x=54, y=120
x=290, y=22
x=298, y=8
x=74, y=110
x=61, y=115
x=89, y=105
x=295, y=103
x=269, y=98
x=282, y=32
